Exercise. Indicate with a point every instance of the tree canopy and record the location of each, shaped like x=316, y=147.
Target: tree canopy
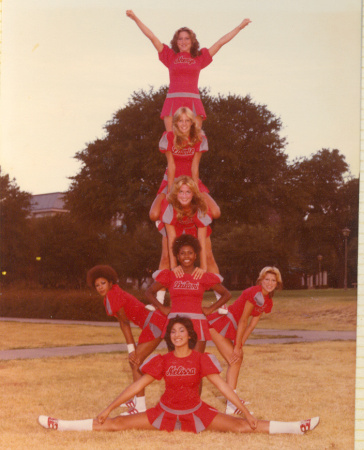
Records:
x=15, y=243
x=273, y=211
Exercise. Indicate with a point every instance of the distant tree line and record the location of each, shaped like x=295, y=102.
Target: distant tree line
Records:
x=274, y=212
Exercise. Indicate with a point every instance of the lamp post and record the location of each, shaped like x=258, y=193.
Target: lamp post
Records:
x=346, y=232
x=319, y=259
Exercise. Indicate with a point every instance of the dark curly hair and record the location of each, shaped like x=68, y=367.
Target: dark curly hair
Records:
x=187, y=323
x=106, y=272
x=186, y=239
x=195, y=45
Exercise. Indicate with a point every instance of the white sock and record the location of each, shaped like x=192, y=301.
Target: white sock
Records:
x=293, y=427
x=140, y=404
x=66, y=425
x=79, y=425
x=160, y=296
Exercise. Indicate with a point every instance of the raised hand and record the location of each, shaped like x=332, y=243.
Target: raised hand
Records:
x=244, y=23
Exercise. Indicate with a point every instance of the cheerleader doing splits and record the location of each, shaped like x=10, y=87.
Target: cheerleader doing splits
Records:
x=180, y=407
x=125, y=307
x=184, y=61
x=230, y=332
x=186, y=292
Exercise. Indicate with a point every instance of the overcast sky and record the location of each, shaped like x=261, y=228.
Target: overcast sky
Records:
x=69, y=65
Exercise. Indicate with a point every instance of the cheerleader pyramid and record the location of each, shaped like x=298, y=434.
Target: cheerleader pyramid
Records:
x=183, y=211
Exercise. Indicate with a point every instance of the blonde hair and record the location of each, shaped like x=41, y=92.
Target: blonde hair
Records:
x=197, y=202
x=274, y=271
x=180, y=141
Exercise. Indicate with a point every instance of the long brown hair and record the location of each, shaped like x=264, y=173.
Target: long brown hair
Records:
x=197, y=203
x=179, y=140
x=195, y=45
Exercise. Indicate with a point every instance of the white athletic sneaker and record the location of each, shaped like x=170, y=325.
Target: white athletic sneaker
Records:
x=48, y=422
x=131, y=404
x=231, y=409
x=309, y=424
x=130, y=412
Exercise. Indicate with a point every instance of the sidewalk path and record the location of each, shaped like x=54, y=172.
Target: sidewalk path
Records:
x=275, y=337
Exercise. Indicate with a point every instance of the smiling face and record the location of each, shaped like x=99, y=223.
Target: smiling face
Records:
x=185, y=195
x=184, y=124
x=179, y=335
x=187, y=256
x=269, y=283
x=102, y=286
x=184, y=41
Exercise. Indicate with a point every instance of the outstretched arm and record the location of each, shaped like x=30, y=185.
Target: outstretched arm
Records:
x=127, y=393
x=227, y=38
x=227, y=392
x=243, y=332
x=146, y=31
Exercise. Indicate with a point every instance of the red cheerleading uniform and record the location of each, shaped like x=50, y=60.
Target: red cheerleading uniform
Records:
x=186, y=225
x=182, y=157
x=186, y=298
x=227, y=325
x=184, y=71
x=180, y=407
x=151, y=322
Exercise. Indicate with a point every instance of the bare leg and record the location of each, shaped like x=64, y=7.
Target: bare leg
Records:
x=136, y=421
x=199, y=121
x=168, y=123
x=211, y=263
x=223, y=422
x=164, y=262
x=155, y=209
x=213, y=206
x=143, y=351
x=200, y=347
x=225, y=347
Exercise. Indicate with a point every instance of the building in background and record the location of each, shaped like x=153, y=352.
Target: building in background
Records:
x=47, y=205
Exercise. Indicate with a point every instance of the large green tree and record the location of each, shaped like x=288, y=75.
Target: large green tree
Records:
x=273, y=212
x=122, y=172
x=15, y=236
x=329, y=203
x=66, y=249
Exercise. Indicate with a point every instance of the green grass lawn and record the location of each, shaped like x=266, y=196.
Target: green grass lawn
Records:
x=292, y=310
x=326, y=309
